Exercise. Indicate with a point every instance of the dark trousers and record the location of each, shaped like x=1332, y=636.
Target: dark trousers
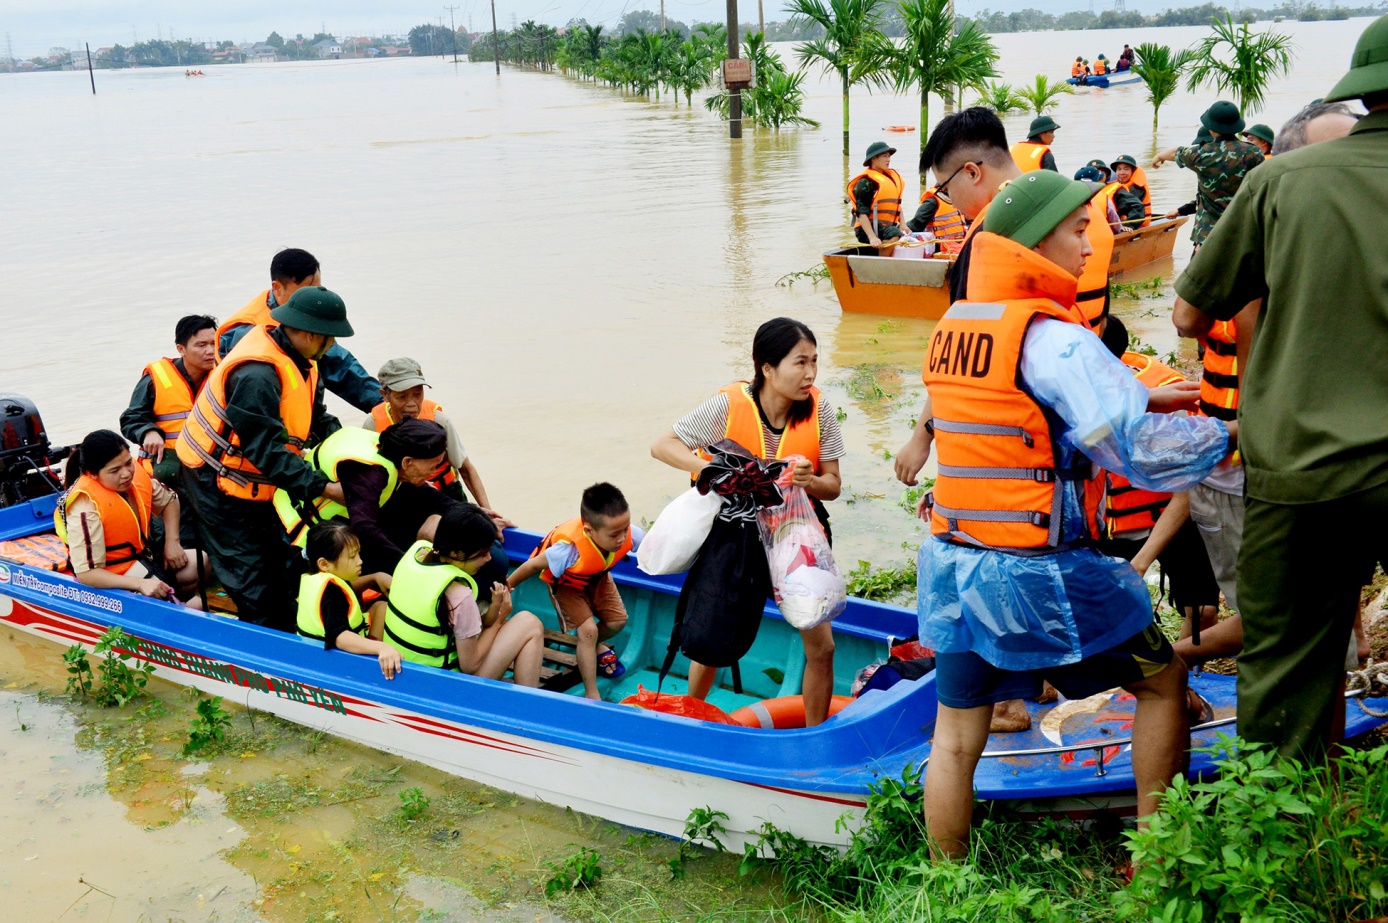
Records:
x=250, y=553
x=1300, y=572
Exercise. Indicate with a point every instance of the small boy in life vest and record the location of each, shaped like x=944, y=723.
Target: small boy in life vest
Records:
x=576, y=560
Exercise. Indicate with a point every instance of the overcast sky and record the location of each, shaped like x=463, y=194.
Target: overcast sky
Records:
x=34, y=26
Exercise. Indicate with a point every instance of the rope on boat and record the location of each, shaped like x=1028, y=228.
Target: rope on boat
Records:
x=1370, y=682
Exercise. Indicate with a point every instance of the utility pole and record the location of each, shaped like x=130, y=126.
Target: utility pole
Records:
x=454, y=25
x=734, y=96
x=9, y=53
x=442, y=50
x=496, y=43
x=761, y=19
x=662, y=15
x=90, y=75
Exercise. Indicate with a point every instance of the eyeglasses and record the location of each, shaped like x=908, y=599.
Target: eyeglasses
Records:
x=940, y=190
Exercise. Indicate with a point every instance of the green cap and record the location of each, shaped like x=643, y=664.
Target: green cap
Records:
x=1031, y=206
x=1099, y=165
x=1127, y=159
x=1222, y=118
x=1041, y=123
x=1202, y=136
x=1262, y=132
x=876, y=148
x=1368, y=68
x=314, y=309
x=401, y=374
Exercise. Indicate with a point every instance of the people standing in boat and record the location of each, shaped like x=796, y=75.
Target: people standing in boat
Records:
x=245, y=438
x=1311, y=405
x=1125, y=59
x=1134, y=180
x=939, y=217
x=1035, y=152
x=778, y=414
x=291, y=270
x=576, y=559
x=1219, y=165
x=1011, y=590
x=163, y=397
x=1261, y=137
x=104, y=517
x=876, y=196
x=433, y=617
x=330, y=608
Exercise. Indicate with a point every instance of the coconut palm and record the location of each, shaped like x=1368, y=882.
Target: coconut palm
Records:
x=933, y=57
x=1042, y=95
x=1234, y=59
x=691, y=68
x=1160, y=69
x=1001, y=98
x=850, y=27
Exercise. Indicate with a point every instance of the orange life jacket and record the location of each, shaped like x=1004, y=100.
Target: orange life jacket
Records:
x=1100, y=67
x=1128, y=508
x=949, y=222
x=1077, y=69
x=592, y=561
x=208, y=437
x=1093, y=283
x=999, y=484
x=124, y=517
x=1028, y=154
x=1219, y=382
x=256, y=313
x=446, y=475
x=1139, y=178
x=886, y=201
x=173, y=398
x=744, y=427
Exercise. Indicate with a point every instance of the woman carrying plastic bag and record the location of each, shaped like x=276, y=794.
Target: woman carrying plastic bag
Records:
x=777, y=415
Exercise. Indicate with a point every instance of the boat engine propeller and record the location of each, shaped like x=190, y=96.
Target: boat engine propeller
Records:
x=27, y=458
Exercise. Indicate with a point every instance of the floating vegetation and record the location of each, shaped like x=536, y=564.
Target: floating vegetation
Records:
x=1148, y=288
x=814, y=275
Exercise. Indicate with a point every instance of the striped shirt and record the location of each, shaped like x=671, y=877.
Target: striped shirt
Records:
x=708, y=423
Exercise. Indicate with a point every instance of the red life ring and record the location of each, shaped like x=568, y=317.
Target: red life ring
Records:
x=786, y=712
x=900, y=128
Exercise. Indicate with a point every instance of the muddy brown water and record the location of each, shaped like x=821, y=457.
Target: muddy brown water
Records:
x=574, y=268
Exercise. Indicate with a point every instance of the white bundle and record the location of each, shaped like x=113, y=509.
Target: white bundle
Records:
x=673, y=543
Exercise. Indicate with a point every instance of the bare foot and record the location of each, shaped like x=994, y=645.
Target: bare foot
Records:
x=1048, y=693
x=1199, y=709
x=597, y=696
x=1010, y=717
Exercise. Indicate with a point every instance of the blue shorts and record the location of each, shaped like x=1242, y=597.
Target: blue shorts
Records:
x=966, y=680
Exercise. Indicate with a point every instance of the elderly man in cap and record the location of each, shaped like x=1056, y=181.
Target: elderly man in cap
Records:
x=1220, y=165
x=1315, y=432
x=876, y=195
x=1012, y=590
x=244, y=437
x=1035, y=152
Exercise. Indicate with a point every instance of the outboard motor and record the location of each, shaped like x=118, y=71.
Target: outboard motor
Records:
x=27, y=459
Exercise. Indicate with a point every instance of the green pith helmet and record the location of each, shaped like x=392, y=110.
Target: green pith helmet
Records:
x=1222, y=118
x=1368, y=68
x=1101, y=167
x=1202, y=136
x=314, y=309
x=1041, y=124
x=1127, y=159
x=875, y=149
x=1031, y=206
x=1262, y=133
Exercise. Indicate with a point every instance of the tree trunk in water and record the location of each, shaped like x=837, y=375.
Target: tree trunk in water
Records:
x=925, y=120
x=844, y=75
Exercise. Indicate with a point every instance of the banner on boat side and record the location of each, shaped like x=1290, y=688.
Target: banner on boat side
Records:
x=60, y=589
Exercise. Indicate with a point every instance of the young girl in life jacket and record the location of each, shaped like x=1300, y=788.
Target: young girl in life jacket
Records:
x=105, y=516
x=329, y=607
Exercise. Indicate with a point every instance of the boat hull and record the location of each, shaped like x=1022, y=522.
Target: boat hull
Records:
x=1140, y=246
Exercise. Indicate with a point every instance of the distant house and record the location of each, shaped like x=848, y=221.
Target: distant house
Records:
x=329, y=48
x=260, y=53
x=394, y=51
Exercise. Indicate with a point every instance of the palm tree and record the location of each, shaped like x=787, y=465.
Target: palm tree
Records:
x=1001, y=98
x=849, y=27
x=1232, y=58
x=1043, y=95
x=1160, y=69
x=933, y=57
x=691, y=68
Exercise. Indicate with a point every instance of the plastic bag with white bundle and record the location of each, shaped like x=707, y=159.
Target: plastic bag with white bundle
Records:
x=808, y=586
x=673, y=543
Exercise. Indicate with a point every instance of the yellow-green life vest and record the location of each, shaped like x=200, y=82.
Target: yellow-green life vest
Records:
x=347, y=444
x=311, y=589
x=413, y=625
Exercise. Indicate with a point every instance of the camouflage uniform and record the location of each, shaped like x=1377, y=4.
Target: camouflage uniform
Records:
x=1220, y=167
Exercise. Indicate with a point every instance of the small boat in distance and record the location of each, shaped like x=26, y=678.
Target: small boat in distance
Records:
x=1104, y=81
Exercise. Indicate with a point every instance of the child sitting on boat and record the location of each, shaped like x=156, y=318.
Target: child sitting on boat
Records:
x=329, y=607
x=576, y=560
x=432, y=615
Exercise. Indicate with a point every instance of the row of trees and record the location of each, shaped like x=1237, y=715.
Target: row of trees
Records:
x=1034, y=20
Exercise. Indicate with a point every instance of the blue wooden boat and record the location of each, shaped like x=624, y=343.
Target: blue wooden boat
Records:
x=635, y=767
x=1118, y=79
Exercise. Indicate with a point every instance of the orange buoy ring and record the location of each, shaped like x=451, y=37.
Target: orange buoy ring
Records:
x=786, y=712
x=900, y=128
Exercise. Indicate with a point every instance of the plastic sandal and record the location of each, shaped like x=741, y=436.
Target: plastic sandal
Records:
x=609, y=666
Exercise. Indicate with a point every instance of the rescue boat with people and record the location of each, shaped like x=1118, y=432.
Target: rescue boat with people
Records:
x=637, y=767
x=920, y=287
x=1103, y=81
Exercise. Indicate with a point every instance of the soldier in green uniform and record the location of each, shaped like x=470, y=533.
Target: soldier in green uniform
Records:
x=1219, y=165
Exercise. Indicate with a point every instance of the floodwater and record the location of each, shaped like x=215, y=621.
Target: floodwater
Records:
x=574, y=268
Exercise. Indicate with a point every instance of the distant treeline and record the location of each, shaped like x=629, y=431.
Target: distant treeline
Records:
x=1031, y=20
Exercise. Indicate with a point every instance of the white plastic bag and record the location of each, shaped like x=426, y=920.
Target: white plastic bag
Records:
x=809, y=588
x=673, y=543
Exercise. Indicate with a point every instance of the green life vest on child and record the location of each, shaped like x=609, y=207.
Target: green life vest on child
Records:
x=310, y=620
x=413, y=625
x=350, y=443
